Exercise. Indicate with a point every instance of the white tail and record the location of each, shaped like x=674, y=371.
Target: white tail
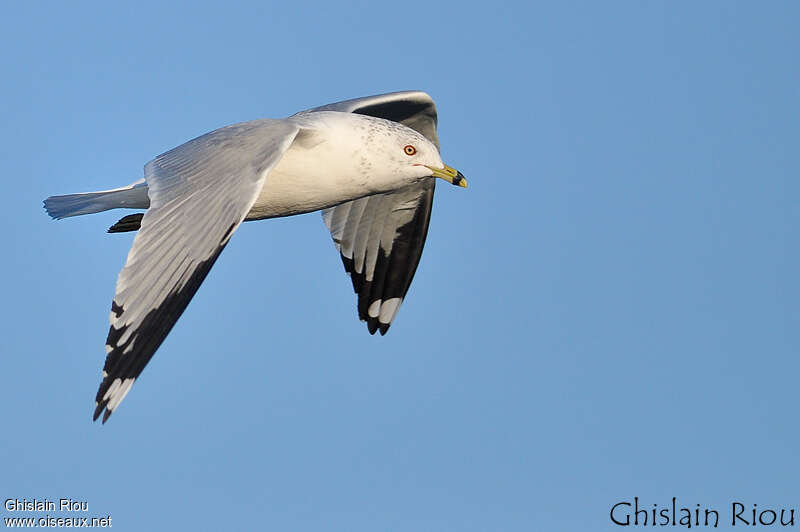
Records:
x=133, y=196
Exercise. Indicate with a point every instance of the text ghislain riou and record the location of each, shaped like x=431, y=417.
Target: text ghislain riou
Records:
x=45, y=505
x=634, y=513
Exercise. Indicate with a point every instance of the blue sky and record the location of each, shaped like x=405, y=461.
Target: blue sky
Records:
x=609, y=311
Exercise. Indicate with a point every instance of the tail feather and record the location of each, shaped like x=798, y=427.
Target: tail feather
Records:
x=134, y=196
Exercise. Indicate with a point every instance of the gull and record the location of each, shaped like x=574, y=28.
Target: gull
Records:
x=369, y=164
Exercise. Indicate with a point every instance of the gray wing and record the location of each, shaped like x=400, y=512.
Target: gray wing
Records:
x=380, y=238
x=199, y=194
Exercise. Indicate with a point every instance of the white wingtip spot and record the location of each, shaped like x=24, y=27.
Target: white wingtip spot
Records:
x=125, y=336
x=374, y=309
x=389, y=309
x=129, y=347
x=120, y=395
x=113, y=388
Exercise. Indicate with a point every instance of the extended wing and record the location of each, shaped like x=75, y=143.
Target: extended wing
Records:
x=380, y=238
x=199, y=194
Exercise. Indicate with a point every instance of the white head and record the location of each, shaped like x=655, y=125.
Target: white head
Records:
x=390, y=153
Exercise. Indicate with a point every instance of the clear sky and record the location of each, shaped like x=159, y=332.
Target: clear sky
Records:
x=609, y=311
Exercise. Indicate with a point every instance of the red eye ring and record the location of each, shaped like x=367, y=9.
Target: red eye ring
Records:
x=410, y=150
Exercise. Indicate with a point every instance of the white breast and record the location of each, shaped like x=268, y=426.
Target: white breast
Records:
x=326, y=166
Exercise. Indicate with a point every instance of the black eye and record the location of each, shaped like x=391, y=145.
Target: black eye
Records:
x=410, y=150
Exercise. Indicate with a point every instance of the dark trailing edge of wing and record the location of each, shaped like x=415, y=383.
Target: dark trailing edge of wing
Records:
x=151, y=332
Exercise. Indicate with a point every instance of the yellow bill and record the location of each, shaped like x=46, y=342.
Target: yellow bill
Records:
x=451, y=175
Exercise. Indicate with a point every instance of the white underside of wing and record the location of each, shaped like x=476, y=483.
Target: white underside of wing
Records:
x=365, y=232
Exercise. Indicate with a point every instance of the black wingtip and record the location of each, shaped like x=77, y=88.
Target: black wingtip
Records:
x=372, y=326
x=99, y=409
x=384, y=327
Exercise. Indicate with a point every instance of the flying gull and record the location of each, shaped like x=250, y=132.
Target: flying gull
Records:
x=368, y=164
